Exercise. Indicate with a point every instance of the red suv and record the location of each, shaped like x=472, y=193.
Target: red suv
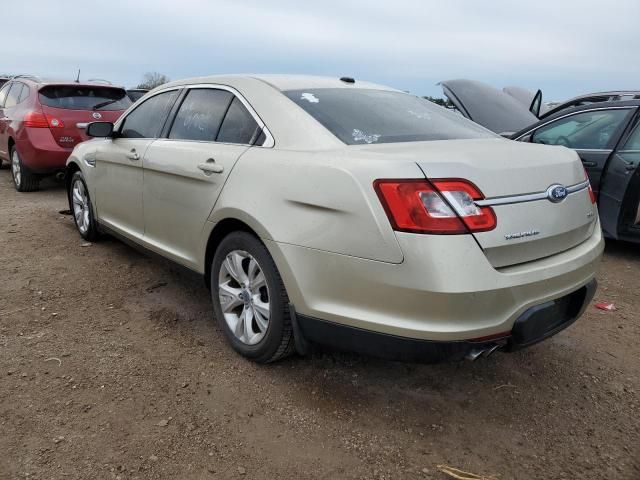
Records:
x=41, y=121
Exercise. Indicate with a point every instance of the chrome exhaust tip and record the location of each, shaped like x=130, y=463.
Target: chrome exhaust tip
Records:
x=60, y=176
x=475, y=353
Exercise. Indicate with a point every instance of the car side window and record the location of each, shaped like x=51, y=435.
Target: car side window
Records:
x=24, y=93
x=147, y=120
x=3, y=93
x=633, y=142
x=238, y=125
x=200, y=115
x=585, y=130
x=13, y=95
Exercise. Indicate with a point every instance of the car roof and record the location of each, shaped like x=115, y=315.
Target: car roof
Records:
x=580, y=108
x=281, y=82
x=609, y=93
x=586, y=97
x=44, y=81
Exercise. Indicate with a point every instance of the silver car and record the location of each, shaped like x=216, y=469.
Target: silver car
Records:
x=340, y=212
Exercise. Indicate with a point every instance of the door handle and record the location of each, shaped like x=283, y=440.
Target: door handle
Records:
x=133, y=155
x=210, y=166
x=587, y=163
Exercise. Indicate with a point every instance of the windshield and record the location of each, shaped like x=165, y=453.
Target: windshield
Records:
x=360, y=116
x=84, y=97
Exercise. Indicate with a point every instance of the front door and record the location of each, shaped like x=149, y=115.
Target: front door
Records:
x=185, y=172
x=119, y=175
x=620, y=191
x=592, y=134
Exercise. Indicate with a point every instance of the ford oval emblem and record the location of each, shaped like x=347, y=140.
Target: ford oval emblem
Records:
x=557, y=193
x=96, y=115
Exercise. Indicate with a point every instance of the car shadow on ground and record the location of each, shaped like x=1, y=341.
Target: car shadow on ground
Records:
x=47, y=184
x=622, y=250
x=346, y=374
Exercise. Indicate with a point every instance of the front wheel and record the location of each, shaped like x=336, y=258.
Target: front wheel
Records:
x=81, y=207
x=249, y=299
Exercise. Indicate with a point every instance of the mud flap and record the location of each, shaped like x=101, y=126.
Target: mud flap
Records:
x=301, y=343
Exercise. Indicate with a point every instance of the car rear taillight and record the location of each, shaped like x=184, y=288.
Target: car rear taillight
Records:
x=443, y=206
x=40, y=120
x=35, y=120
x=592, y=195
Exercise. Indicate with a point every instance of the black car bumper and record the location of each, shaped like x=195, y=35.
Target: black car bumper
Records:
x=534, y=325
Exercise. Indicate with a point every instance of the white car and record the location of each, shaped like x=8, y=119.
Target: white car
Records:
x=345, y=213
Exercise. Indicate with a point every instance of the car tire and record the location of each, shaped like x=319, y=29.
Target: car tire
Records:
x=82, y=208
x=244, y=272
x=23, y=179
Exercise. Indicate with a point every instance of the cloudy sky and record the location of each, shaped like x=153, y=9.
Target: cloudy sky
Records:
x=564, y=47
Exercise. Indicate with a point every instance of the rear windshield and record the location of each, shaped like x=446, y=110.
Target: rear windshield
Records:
x=84, y=97
x=359, y=116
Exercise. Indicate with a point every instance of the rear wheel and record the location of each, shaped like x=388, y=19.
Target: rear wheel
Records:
x=23, y=179
x=81, y=207
x=249, y=299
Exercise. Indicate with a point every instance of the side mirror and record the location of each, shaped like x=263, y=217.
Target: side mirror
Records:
x=100, y=129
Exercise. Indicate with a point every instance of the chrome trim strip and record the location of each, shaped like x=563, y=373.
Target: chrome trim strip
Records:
x=82, y=126
x=527, y=197
x=269, y=139
x=578, y=187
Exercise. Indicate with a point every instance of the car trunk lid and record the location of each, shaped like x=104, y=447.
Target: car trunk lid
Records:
x=515, y=179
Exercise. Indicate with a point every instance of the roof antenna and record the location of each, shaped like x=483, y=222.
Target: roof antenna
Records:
x=78, y=77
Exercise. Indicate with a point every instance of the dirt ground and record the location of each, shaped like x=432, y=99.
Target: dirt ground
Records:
x=111, y=366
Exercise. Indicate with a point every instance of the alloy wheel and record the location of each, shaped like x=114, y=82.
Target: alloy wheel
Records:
x=80, y=201
x=15, y=168
x=244, y=297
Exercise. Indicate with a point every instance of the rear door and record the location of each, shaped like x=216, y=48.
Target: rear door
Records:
x=185, y=172
x=620, y=189
x=593, y=134
x=4, y=122
x=12, y=112
x=69, y=108
x=118, y=178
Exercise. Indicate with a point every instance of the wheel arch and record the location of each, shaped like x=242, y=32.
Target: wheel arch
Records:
x=223, y=228
x=71, y=168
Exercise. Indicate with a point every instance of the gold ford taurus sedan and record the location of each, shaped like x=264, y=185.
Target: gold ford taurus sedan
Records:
x=334, y=211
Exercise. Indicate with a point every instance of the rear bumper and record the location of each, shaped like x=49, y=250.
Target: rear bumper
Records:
x=537, y=323
x=39, y=151
x=444, y=290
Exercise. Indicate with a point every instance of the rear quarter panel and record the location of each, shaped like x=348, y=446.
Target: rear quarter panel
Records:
x=313, y=200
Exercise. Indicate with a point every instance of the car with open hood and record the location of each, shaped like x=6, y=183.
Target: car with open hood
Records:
x=346, y=213
x=501, y=111
x=602, y=128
